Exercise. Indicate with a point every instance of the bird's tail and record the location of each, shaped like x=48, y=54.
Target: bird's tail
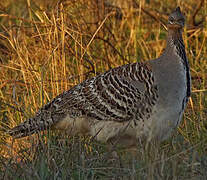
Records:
x=30, y=126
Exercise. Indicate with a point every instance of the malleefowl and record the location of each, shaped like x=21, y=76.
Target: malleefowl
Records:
x=138, y=100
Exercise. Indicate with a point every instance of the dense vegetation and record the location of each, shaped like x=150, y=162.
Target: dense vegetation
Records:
x=46, y=47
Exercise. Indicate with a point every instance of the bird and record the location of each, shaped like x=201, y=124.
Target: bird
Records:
x=141, y=100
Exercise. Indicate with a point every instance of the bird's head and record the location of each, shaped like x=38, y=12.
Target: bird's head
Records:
x=176, y=19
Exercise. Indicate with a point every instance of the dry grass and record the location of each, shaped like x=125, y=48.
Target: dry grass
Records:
x=46, y=47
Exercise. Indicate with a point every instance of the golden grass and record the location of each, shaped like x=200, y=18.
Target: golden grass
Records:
x=46, y=47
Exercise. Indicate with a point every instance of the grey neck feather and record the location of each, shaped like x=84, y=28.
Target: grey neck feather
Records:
x=176, y=45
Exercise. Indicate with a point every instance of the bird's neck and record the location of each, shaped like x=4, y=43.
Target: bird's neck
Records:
x=175, y=46
x=175, y=40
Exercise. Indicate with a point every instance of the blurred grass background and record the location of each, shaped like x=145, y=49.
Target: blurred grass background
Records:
x=46, y=47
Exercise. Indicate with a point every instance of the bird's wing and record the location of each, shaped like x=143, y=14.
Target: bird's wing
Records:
x=120, y=94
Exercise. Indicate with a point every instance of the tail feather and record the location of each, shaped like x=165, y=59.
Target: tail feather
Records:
x=46, y=117
x=30, y=126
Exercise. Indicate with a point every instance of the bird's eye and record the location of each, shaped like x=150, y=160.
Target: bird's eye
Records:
x=171, y=20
